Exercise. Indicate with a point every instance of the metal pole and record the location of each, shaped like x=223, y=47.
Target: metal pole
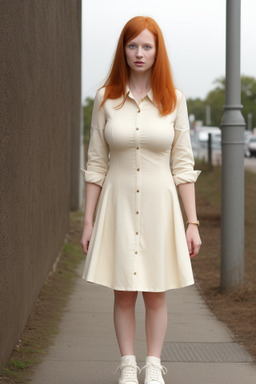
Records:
x=232, y=228
x=209, y=152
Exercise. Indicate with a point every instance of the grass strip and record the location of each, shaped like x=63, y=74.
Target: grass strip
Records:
x=237, y=309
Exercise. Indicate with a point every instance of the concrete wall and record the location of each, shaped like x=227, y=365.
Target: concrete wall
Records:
x=40, y=106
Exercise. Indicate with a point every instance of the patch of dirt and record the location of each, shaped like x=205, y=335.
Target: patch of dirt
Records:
x=237, y=309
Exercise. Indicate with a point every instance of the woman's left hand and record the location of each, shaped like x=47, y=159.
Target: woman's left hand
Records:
x=193, y=240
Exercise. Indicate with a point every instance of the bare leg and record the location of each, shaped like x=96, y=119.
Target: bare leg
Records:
x=124, y=320
x=156, y=321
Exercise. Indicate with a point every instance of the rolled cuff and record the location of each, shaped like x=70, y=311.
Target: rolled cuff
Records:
x=186, y=177
x=93, y=177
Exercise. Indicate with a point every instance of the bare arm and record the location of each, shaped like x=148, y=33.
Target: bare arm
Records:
x=187, y=193
x=91, y=199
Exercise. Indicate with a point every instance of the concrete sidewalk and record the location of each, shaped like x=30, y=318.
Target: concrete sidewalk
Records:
x=198, y=348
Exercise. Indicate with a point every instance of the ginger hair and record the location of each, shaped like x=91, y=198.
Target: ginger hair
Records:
x=162, y=83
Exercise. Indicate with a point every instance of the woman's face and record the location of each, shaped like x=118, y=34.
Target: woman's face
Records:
x=140, y=52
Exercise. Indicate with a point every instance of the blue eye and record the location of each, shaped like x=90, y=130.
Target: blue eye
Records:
x=147, y=47
x=132, y=46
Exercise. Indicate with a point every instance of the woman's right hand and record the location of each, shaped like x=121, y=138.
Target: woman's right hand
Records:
x=86, y=236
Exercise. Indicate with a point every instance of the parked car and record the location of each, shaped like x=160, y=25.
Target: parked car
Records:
x=247, y=136
x=203, y=134
x=252, y=146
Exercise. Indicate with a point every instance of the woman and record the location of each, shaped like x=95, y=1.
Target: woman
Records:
x=138, y=242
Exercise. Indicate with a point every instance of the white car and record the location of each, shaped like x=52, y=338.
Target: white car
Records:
x=203, y=135
x=247, y=136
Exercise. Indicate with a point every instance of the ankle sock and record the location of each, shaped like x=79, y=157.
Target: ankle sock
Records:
x=154, y=360
x=128, y=358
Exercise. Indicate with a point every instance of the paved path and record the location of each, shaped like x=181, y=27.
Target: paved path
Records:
x=198, y=348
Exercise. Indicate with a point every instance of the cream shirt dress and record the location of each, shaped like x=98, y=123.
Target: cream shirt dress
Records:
x=138, y=241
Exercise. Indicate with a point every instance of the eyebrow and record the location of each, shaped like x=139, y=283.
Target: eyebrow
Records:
x=133, y=42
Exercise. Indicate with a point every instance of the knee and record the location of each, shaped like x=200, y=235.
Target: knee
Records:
x=154, y=300
x=125, y=300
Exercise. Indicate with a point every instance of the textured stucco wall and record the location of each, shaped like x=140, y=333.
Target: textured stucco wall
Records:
x=40, y=104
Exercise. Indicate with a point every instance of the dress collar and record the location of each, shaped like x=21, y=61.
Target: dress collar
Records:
x=149, y=94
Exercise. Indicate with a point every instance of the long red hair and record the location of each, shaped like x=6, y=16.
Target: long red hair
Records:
x=161, y=82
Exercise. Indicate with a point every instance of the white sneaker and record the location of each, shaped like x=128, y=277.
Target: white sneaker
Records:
x=128, y=370
x=154, y=371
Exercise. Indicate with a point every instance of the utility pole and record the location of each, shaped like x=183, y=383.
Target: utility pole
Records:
x=249, y=127
x=232, y=228
x=208, y=114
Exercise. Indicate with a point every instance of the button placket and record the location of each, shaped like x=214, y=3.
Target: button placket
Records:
x=137, y=191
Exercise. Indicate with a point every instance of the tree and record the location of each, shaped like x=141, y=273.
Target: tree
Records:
x=216, y=100
x=196, y=107
x=248, y=99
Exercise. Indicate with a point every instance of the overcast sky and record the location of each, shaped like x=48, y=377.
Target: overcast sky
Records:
x=194, y=32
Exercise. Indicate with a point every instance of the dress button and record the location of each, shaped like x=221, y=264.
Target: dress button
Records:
x=138, y=190
x=137, y=233
x=138, y=169
x=134, y=273
x=136, y=253
x=137, y=212
x=137, y=129
x=137, y=147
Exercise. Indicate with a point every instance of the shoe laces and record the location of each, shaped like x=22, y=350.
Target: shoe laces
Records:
x=155, y=371
x=129, y=372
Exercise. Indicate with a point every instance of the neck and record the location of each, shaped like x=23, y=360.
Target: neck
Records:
x=140, y=82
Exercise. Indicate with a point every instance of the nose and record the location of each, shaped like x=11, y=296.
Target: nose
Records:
x=139, y=52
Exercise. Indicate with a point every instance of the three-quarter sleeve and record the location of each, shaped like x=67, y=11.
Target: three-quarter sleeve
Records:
x=98, y=151
x=181, y=153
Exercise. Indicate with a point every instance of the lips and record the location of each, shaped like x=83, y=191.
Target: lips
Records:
x=139, y=62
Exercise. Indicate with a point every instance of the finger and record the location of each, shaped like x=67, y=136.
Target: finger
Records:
x=196, y=250
x=84, y=247
x=87, y=247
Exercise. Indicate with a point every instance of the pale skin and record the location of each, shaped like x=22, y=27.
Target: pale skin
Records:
x=140, y=55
